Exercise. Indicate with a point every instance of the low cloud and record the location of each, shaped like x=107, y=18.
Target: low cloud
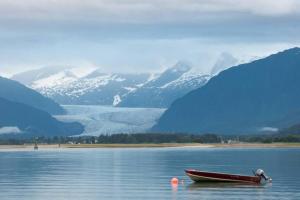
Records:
x=9, y=130
x=269, y=129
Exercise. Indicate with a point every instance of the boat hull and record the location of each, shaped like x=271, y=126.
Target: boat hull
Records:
x=202, y=176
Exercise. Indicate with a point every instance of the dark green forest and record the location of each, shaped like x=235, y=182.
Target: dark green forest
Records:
x=152, y=138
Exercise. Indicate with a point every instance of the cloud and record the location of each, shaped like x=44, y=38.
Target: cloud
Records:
x=269, y=129
x=271, y=7
x=113, y=33
x=142, y=11
x=39, y=21
x=9, y=130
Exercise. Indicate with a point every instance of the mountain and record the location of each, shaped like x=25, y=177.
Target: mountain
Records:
x=26, y=120
x=83, y=86
x=248, y=98
x=294, y=129
x=225, y=61
x=93, y=87
x=14, y=91
x=29, y=77
x=100, y=89
x=163, y=89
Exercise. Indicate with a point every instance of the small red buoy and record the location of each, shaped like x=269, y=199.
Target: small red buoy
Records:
x=174, y=181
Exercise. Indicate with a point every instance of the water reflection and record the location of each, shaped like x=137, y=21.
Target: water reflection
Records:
x=220, y=185
x=136, y=174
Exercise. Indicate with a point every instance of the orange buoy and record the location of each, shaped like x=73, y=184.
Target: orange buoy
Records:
x=174, y=181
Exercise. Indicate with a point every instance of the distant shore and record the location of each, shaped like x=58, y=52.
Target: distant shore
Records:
x=162, y=145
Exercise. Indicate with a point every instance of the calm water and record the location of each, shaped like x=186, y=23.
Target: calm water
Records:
x=143, y=173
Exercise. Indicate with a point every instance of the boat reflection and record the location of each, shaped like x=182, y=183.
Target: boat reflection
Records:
x=220, y=185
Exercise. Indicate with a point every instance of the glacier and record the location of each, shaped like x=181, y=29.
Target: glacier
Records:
x=107, y=120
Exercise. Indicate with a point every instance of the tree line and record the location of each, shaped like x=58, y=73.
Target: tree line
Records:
x=154, y=138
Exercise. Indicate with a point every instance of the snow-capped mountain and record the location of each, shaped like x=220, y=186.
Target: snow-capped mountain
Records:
x=162, y=90
x=225, y=61
x=260, y=96
x=90, y=86
x=52, y=75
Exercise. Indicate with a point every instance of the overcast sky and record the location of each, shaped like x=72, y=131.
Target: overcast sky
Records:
x=141, y=35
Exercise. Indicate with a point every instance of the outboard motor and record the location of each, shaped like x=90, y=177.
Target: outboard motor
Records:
x=262, y=174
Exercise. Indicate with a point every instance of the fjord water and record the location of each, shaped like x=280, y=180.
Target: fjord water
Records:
x=143, y=173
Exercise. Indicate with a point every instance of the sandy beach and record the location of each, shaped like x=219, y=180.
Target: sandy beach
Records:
x=162, y=145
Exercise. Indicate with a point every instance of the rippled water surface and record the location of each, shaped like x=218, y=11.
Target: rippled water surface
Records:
x=143, y=173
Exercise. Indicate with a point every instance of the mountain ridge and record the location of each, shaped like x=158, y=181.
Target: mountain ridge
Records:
x=34, y=122
x=257, y=89
x=15, y=91
x=117, y=89
x=161, y=91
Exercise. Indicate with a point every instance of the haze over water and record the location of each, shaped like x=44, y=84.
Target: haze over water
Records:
x=143, y=173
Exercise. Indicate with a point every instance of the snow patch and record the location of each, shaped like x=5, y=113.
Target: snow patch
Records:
x=152, y=77
x=56, y=79
x=117, y=100
x=181, y=66
x=77, y=87
x=186, y=78
x=130, y=89
x=83, y=71
x=119, y=79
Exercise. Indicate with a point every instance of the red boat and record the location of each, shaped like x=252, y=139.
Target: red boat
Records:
x=203, y=176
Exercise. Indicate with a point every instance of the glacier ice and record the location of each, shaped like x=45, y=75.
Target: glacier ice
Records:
x=106, y=120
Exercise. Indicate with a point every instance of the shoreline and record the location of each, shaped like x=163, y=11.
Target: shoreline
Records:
x=162, y=145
